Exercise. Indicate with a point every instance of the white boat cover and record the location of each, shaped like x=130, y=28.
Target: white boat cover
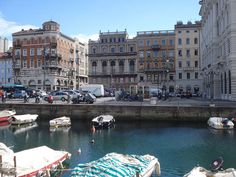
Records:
x=117, y=165
x=24, y=118
x=6, y=113
x=202, y=172
x=103, y=118
x=60, y=121
x=220, y=123
x=32, y=161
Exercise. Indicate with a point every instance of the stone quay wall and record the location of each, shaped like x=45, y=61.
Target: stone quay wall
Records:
x=123, y=112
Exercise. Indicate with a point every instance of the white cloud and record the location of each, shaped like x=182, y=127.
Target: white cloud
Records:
x=85, y=38
x=9, y=27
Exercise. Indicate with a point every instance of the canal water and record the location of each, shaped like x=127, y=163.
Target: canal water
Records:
x=178, y=146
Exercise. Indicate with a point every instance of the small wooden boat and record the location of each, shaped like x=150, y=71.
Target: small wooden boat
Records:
x=39, y=161
x=60, y=122
x=103, y=121
x=220, y=123
x=6, y=117
x=24, y=119
x=114, y=164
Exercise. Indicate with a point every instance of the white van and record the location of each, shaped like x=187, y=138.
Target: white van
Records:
x=96, y=89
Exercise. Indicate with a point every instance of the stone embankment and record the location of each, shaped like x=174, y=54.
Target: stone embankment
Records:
x=174, y=109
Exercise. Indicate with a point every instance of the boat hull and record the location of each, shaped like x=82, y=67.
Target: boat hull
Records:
x=220, y=123
x=24, y=119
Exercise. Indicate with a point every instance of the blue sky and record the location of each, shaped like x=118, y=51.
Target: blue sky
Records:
x=85, y=18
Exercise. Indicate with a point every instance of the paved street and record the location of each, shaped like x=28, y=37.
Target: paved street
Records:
x=174, y=101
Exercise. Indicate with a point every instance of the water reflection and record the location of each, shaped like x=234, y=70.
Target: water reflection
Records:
x=178, y=146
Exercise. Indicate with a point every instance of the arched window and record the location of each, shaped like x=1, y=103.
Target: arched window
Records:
x=132, y=66
x=94, y=67
x=104, y=66
x=121, y=66
x=113, y=64
x=225, y=83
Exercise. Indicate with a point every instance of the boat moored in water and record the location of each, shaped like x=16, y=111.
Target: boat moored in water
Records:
x=23, y=119
x=39, y=161
x=120, y=165
x=6, y=116
x=220, y=123
x=103, y=121
x=60, y=122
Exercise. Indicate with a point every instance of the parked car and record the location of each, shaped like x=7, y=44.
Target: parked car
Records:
x=72, y=93
x=59, y=95
x=19, y=94
x=84, y=97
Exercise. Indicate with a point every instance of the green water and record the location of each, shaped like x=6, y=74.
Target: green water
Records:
x=178, y=146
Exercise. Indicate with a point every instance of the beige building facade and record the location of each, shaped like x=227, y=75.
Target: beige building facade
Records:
x=218, y=48
x=112, y=61
x=45, y=58
x=187, y=54
x=156, y=60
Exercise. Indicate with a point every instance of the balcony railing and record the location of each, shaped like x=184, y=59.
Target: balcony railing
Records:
x=112, y=54
x=113, y=73
x=188, y=68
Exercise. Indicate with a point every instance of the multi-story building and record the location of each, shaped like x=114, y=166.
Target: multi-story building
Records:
x=6, y=76
x=218, y=48
x=156, y=60
x=81, y=59
x=44, y=58
x=187, y=55
x=3, y=45
x=112, y=61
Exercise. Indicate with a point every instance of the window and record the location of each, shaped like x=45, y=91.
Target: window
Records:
x=141, y=54
x=148, y=54
x=17, y=52
x=195, y=40
x=155, y=42
x=187, y=31
x=149, y=77
x=180, y=64
x=171, y=53
x=121, y=66
x=171, y=77
x=196, y=52
x=179, y=41
x=196, y=64
x=113, y=50
x=24, y=63
x=148, y=42
x=121, y=49
x=180, y=75
x=163, y=42
x=229, y=82
x=187, y=41
x=94, y=50
x=188, y=75
x=196, y=75
x=32, y=52
x=39, y=62
x=39, y=81
x=155, y=53
x=31, y=62
x=163, y=53
x=114, y=39
x=131, y=49
x=179, y=32
x=188, y=53
x=140, y=43
x=171, y=42
x=180, y=53
x=39, y=51
x=188, y=63
x=24, y=52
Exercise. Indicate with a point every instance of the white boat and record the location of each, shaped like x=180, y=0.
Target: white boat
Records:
x=220, y=123
x=216, y=170
x=33, y=162
x=23, y=119
x=202, y=172
x=60, y=122
x=115, y=164
x=103, y=121
x=6, y=116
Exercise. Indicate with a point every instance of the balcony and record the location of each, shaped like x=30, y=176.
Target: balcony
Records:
x=188, y=68
x=112, y=54
x=156, y=47
x=53, y=45
x=116, y=73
